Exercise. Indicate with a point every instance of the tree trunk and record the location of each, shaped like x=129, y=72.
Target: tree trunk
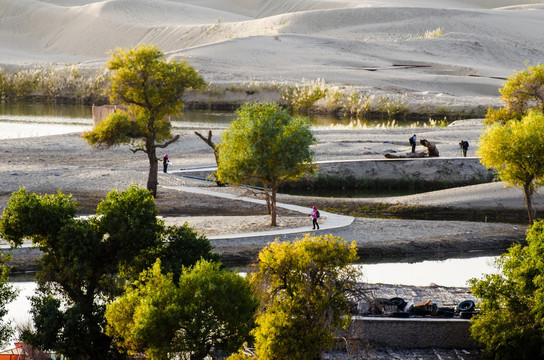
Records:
x=528, y=192
x=273, y=191
x=153, y=168
x=211, y=144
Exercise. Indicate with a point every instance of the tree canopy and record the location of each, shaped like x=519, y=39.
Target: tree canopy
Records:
x=511, y=323
x=7, y=295
x=521, y=92
x=303, y=287
x=264, y=144
x=209, y=312
x=516, y=151
x=151, y=88
x=86, y=260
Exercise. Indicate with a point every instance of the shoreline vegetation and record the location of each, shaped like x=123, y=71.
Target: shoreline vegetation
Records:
x=71, y=84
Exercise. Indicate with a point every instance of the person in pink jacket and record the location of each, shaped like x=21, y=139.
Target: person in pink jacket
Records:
x=314, y=214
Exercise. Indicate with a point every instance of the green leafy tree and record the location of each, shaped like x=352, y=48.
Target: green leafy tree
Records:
x=521, y=92
x=184, y=247
x=265, y=144
x=79, y=261
x=7, y=295
x=86, y=260
x=516, y=151
x=511, y=323
x=303, y=287
x=151, y=88
x=208, y=314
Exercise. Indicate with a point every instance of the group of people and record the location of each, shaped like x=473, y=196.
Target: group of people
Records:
x=463, y=144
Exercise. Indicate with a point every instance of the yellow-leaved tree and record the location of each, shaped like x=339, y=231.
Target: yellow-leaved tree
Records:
x=303, y=287
x=516, y=151
x=521, y=92
x=150, y=87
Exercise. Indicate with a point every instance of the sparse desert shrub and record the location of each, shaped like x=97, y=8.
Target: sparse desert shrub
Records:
x=429, y=34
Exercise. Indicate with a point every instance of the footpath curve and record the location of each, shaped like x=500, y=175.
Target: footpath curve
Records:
x=332, y=221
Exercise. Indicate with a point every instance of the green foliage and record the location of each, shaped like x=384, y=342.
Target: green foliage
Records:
x=209, y=313
x=133, y=230
x=7, y=295
x=85, y=260
x=80, y=259
x=516, y=151
x=521, y=92
x=302, y=287
x=184, y=247
x=115, y=129
x=265, y=144
x=39, y=217
x=511, y=323
x=151, y=88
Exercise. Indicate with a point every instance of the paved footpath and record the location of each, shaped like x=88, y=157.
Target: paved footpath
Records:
x=332, y=221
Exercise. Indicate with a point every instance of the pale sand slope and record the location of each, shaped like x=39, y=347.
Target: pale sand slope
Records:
x=483, y=41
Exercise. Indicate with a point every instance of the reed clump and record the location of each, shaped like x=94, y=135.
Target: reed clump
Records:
x=70, y=84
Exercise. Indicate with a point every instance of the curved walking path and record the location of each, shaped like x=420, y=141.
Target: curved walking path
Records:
x=332, y=221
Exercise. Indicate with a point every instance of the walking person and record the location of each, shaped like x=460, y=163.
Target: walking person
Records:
x=463, y=144
x=315, y=215
x=413, y=143
x=165, y=162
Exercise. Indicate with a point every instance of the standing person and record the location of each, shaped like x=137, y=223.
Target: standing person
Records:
x=165, y=163
x=413, y=143
x=314, y=214
x=463, y=144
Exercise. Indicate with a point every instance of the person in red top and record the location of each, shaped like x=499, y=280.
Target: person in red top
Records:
x=314, y=214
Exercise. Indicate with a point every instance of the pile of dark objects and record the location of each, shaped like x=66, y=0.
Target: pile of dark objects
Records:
x=399, y=308
x=389, y=300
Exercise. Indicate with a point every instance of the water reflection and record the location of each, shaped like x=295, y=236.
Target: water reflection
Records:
x=449, y=272
x=22, y=108
x=74, y=113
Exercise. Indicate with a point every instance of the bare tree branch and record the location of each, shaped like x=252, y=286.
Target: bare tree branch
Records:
x=165, y=144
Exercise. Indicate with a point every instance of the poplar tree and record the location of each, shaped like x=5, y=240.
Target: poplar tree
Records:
x=515, y=151
x=265, y=145
x=150, y=87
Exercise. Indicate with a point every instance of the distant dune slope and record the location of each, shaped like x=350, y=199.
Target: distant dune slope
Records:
x=463, y=47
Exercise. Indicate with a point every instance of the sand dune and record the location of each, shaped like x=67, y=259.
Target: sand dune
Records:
x=350, y=42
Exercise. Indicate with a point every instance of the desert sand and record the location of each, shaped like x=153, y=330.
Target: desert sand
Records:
x=351, y=43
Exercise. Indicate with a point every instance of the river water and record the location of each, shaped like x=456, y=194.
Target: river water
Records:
x=26, y=120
